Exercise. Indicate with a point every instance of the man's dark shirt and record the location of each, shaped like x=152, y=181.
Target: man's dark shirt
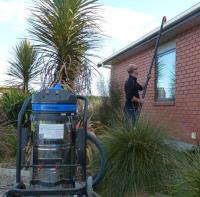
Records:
x=132, y=88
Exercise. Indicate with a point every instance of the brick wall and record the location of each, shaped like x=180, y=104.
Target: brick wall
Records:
x=183, y=117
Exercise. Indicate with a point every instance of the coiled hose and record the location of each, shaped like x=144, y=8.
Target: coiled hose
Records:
x=100, y=174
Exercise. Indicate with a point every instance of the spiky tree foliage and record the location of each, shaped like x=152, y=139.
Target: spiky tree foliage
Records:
x=24, y=66
x=66, y=32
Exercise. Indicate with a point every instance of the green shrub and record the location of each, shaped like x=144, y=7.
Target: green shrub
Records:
x=188, y=182
x=10, y=105
x=11, y=102
x=103, y=107
x=139, y=160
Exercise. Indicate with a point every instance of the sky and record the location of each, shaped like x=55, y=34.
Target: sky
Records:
x=124, y=22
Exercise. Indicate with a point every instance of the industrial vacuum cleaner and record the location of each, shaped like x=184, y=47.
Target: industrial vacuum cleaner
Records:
x=57, y=140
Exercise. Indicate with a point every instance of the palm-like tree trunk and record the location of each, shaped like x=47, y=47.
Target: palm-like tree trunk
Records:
x=25, y=88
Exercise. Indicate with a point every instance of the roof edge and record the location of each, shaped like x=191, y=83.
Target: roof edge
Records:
x=170, y=24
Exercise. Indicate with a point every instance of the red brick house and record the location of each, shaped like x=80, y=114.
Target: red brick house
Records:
x=173, y=94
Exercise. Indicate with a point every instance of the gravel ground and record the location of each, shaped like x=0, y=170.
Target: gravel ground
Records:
x=7, y=178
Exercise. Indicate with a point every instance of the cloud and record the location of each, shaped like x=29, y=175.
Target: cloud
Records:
x=13, y=11
x=123, y=25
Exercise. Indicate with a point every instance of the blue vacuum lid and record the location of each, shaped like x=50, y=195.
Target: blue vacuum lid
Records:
x=54, y=107
x=54, y=99
x=58, y=86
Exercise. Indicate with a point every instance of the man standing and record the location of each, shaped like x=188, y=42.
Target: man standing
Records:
x=132, y=88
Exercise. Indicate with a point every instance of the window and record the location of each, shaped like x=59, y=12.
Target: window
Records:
x=166, y=75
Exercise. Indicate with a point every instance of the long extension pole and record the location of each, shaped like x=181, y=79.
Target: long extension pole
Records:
x=164, y=19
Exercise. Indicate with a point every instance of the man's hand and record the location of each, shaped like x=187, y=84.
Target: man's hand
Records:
x=141, y=101
x=149, y=76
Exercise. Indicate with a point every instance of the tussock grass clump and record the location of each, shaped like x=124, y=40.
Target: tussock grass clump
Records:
x=139, y=160
x=188, y=182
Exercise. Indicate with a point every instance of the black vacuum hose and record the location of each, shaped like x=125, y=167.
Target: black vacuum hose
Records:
x=98, y=177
